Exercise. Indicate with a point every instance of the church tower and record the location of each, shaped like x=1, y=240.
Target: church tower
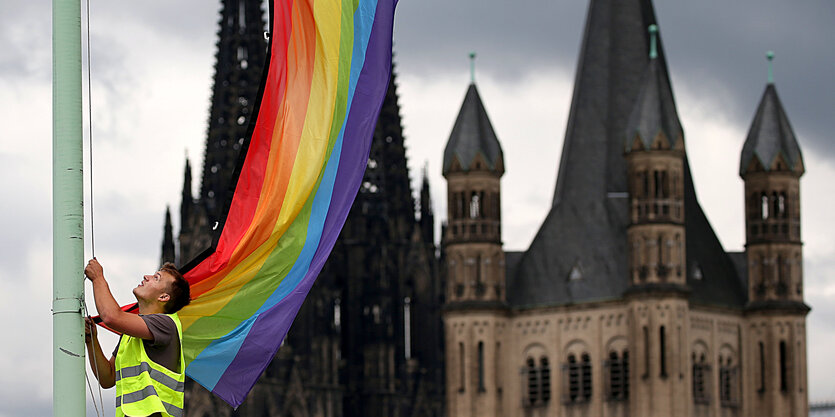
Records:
x=474, y=260
x=657, y=292
x=241, y=52
x=771, y=165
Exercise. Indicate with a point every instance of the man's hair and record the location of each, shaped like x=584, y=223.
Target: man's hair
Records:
x=178, y=290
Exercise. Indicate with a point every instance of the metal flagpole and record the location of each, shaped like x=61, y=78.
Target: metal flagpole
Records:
x=68, y=396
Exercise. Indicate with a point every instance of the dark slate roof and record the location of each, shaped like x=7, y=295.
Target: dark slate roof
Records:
x=472, y=135
x=584, y=234
x=770, y=135
x=654, y=111
x=740, y=260
x=719, y=284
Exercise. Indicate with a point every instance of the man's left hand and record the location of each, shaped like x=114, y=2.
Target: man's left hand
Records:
x=94, y=271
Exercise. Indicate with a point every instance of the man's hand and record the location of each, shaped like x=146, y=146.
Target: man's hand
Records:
x=90, y=331
x=93, y=271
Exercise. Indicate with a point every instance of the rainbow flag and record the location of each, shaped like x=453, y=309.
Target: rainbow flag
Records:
x=325, y=79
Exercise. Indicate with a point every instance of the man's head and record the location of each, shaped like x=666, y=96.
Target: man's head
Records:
x=166, y=287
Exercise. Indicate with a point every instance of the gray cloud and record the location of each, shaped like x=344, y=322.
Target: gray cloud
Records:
x=715, y=43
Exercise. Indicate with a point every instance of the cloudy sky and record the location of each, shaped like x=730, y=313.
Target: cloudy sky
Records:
x=152, y=71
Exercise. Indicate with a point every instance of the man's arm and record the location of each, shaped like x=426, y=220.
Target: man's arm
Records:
x=103, y=368
x=109, y=311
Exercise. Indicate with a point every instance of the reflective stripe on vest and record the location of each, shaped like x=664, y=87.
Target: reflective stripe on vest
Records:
x=146, y=392
x=144, y=387
x=157, y=376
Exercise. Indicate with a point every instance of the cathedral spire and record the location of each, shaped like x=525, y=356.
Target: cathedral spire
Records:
x=168, y=253
x=241, y=52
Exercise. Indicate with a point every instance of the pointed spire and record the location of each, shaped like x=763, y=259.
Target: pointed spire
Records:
x=425, y=197
x=654, y=117
x=187, y=200
x=167, y=238
x=771, y=143
x=427, y=214
x=473, y=138
x=472, y=67
x=770, y=57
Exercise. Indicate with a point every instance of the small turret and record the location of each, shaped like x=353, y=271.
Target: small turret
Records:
x=771, y=165
x=654, y=150
x=473, y=167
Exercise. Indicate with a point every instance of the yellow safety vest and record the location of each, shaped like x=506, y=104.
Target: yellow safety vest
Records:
x=144, y=387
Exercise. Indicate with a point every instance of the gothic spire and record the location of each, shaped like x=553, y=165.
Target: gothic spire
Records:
x=770, y=139
x=187, y=200
x=654, y=117
x=168, y=253
x=472, y=137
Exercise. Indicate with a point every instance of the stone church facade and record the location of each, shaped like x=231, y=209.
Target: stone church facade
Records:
x=625, y=303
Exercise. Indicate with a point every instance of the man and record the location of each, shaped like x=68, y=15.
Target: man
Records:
x=147, y=365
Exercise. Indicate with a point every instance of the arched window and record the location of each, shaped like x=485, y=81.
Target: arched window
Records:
x=573, y=379
x=533, y=382
x=544, y=380
x=700, y=370
x=727, y=382
x=784, y=368
x=461, y=367
x=481, y=387
x=662, y=343
x=586, y=377
x=617, y=382
x=646, y=352
x=764, y=206
x=497, y=360
x=475, y=206
x=781, y=206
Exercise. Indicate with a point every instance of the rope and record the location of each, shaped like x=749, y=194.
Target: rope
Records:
x=99, y=408
x=85, y=313
x=90, y=125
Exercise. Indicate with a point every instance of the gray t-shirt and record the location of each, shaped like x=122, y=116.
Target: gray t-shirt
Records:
x=165, y=348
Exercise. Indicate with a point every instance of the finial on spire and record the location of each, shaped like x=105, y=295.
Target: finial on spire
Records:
x=653, y=48
x=472, y=67
x=770, y=57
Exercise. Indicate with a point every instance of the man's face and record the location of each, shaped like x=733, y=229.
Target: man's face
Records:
x=154, y=287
